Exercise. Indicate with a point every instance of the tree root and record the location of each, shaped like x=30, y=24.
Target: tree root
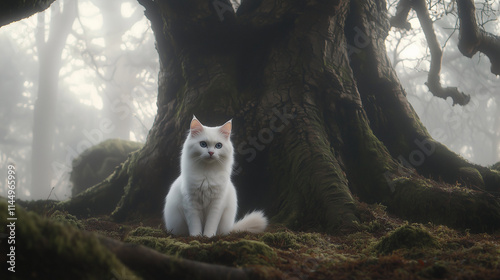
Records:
x=151, y=264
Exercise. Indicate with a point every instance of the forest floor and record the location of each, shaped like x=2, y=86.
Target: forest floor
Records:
x=382, y=248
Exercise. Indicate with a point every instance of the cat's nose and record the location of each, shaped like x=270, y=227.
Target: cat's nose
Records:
x=211, y=153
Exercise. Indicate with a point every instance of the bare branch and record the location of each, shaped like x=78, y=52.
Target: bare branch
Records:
x=473, y=39
x=400, y=19
x=433, y=78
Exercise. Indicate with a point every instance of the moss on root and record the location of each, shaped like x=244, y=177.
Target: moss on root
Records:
x=496, y=166
x=423, y=200
x=382, y=248
x=66, y=219
x=237, y=253
x=46, y=249
x=98, y=162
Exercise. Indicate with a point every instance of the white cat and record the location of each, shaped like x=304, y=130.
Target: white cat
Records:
x=202, y=201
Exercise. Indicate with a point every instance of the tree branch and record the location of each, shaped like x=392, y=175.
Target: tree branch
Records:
x=11, y=11
x=472, y=39
x=400, y=19
x=433, y=78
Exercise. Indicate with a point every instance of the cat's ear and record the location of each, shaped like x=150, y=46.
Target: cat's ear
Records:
x=226, y=129
x=196, y=127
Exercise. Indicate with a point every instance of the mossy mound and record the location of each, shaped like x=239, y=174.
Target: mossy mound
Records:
x=147, y=231
x=496, y=166
x=391, y=250
x=471, y=177
x=98, y=162
x=281, y=240
x=66, y=219
x=231, y=253
x=407, y=237
x=289, y=240
x=46, y=249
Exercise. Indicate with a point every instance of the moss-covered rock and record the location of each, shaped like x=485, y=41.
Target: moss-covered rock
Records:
x=98, y=162
x=408, y=237
x=46, y=249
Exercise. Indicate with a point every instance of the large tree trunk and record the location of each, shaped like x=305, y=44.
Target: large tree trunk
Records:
x=319, y=116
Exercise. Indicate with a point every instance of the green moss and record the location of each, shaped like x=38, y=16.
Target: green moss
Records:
x=238, y=253
x=471, y=176
x=423, y=200
x=147, y=231
x=98, y=162
x=407, y=237
x=66, y=219
x=46, y=249
x=289, y=240
x=496, y=166
x=281, y=240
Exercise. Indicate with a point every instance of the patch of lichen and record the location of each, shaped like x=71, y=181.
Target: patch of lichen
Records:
x=408, y=237
x=46, y=249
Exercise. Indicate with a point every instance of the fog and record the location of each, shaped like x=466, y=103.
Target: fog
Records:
x=76, y=75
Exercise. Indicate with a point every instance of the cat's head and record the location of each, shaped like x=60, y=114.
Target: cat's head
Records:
x=209, y=144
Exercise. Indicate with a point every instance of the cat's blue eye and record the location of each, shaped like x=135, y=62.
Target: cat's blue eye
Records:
x=218, y=145
x=203, y=144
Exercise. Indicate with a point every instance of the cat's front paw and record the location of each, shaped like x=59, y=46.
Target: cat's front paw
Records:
x=209, y=234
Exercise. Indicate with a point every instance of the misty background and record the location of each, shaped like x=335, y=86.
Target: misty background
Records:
x=86, y=71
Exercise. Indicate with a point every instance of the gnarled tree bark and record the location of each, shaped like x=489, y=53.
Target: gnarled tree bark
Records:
x=319, y=118
x=318, y=112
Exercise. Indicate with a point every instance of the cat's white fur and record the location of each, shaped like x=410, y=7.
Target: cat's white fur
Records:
x=202, y=201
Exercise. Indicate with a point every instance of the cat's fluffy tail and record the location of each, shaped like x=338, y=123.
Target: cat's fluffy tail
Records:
x=254, y=222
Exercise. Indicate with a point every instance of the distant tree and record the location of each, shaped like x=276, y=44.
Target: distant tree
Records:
x=11, y=96
x=75, y=120
x=50, y=44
